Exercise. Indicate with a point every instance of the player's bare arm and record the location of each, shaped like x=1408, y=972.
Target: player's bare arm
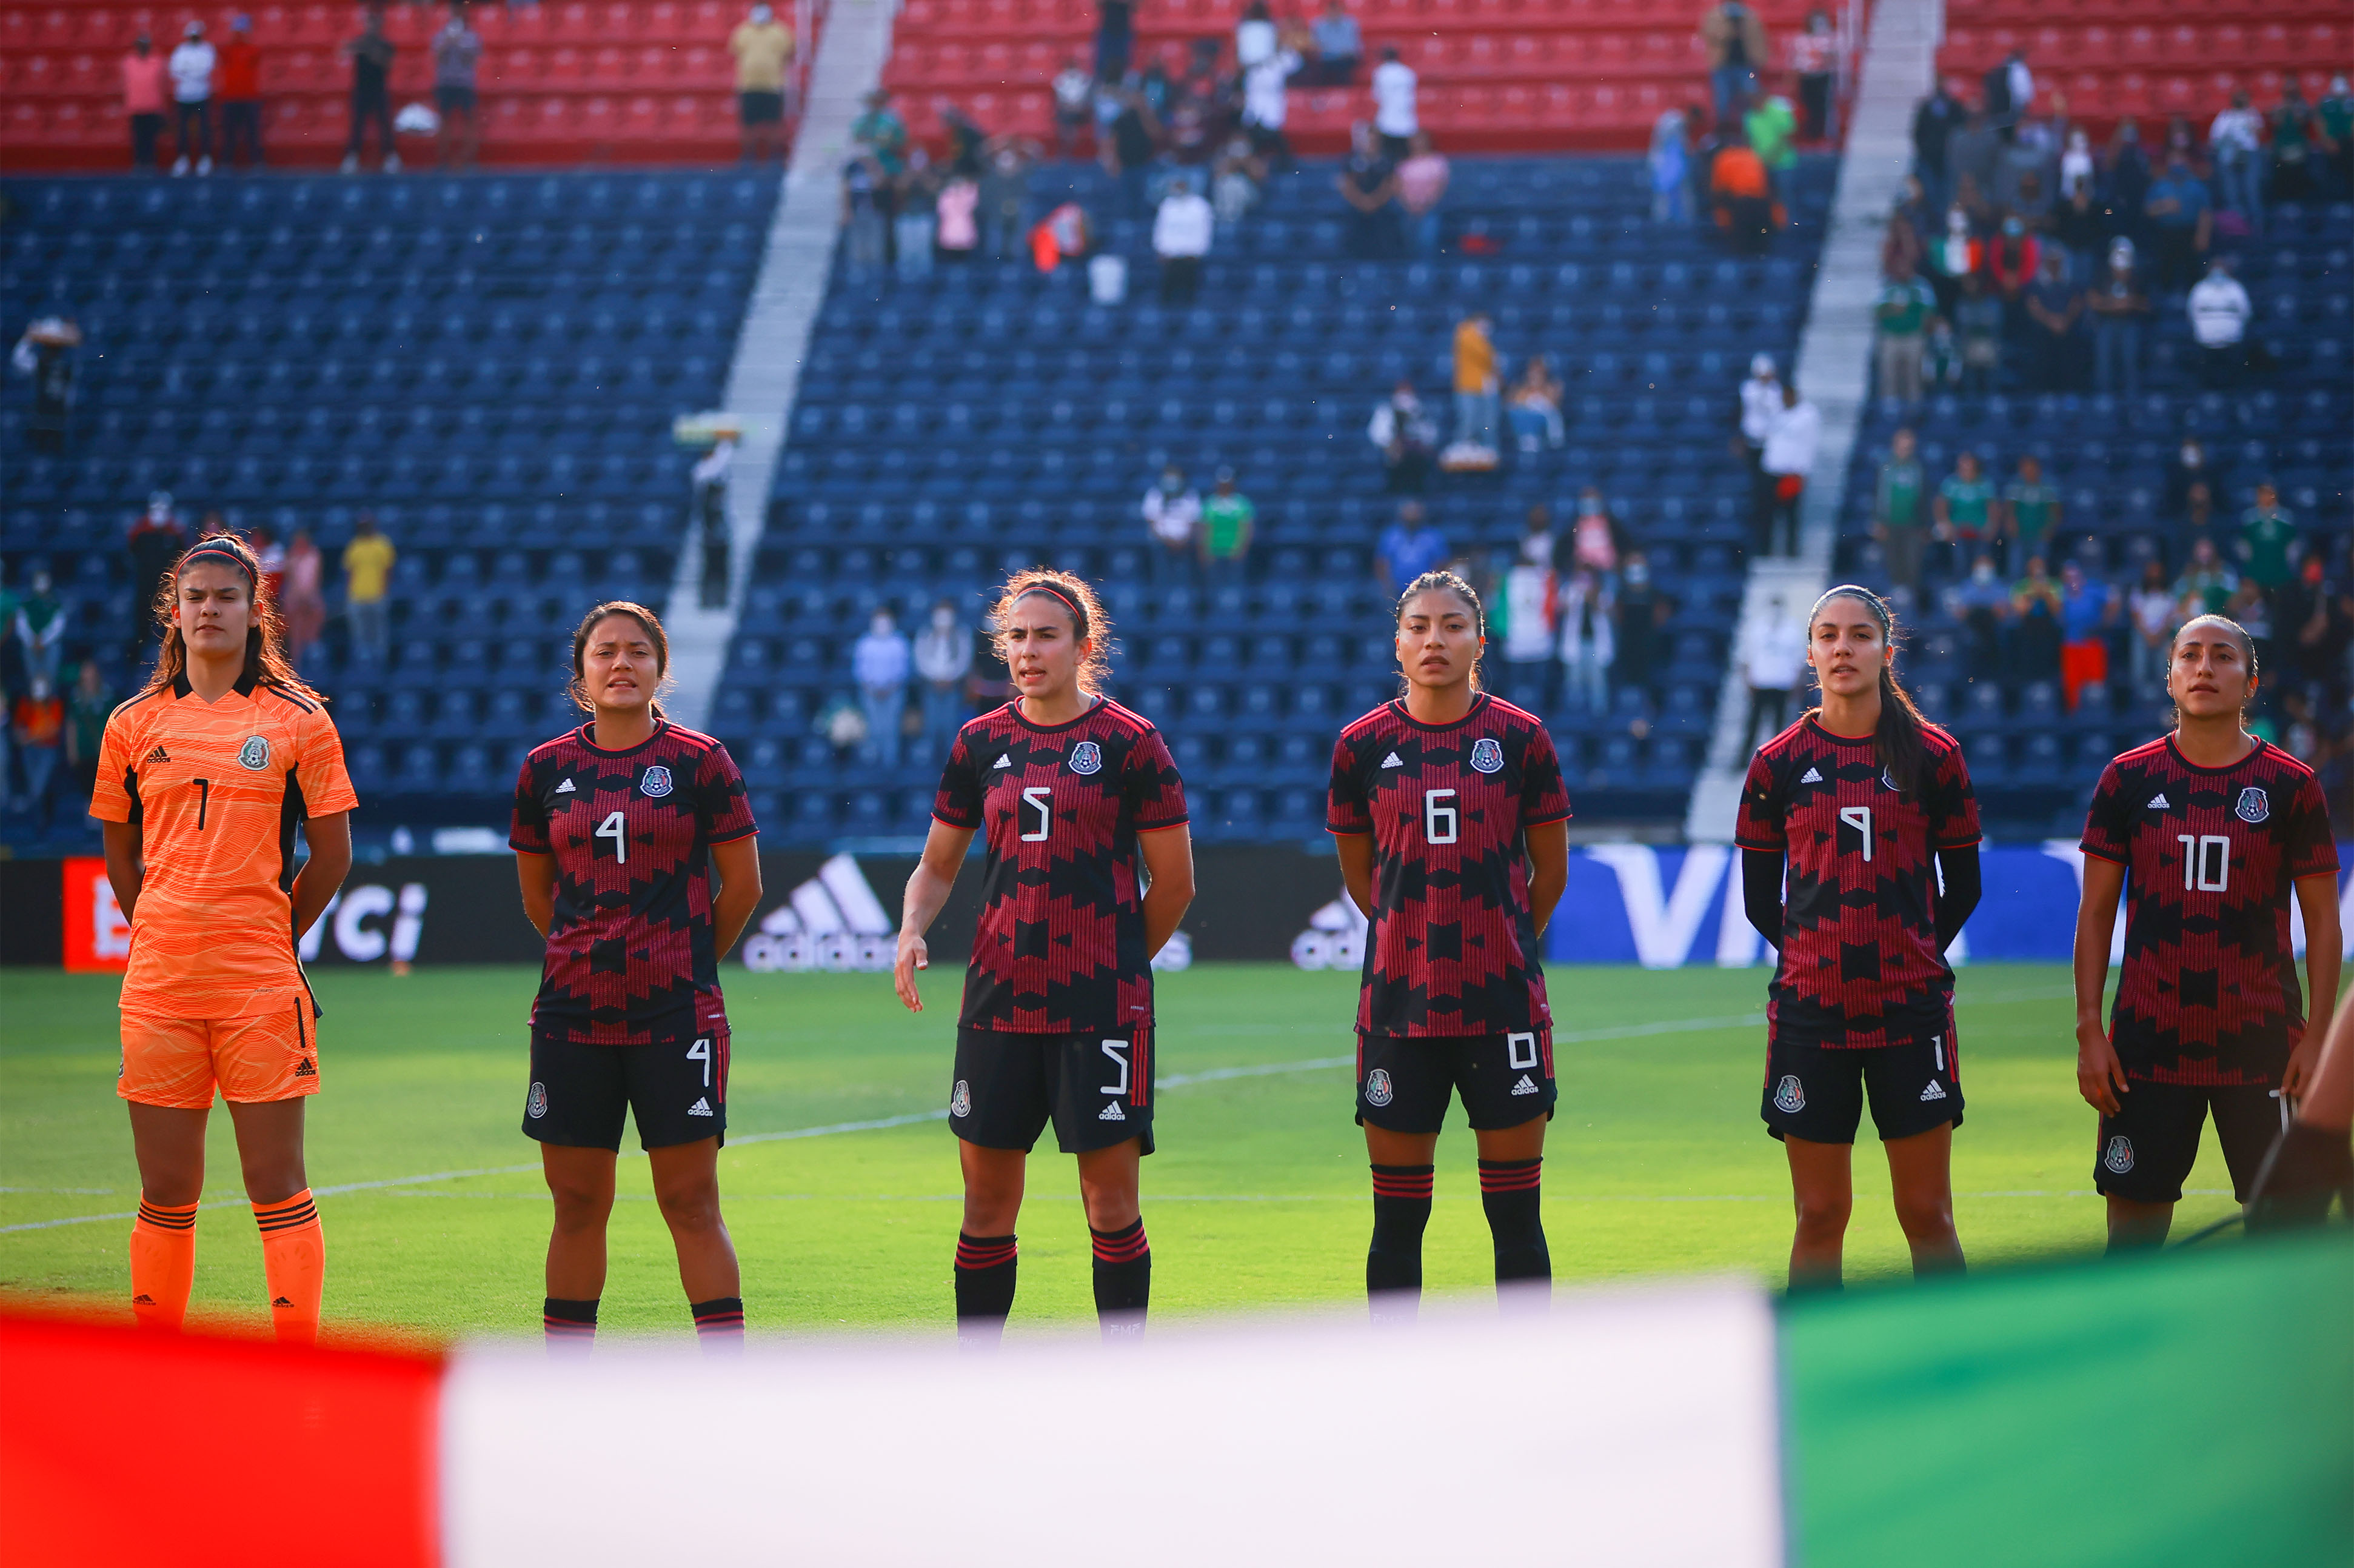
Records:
x=2100, y=1076
x=126, y=870
x=330, y=838
x=927, y=890
x=536, y=876
x=1548, y=870
x=1169, y=862
x=737, y=862
x=1356, y=852
x=2317, y=897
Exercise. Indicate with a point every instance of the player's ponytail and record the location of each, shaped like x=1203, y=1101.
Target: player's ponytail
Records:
x=1897, y=743
x=265, y=634
x=1444, y=581
x=578, y=688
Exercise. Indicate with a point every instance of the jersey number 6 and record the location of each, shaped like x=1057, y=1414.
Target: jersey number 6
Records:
x=1438, y=822
x=616, y=828
x=1859, y=818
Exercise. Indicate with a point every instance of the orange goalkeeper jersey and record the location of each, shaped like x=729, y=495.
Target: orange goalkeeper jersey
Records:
x=217, y=790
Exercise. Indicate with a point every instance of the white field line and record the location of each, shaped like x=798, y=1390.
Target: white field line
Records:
x=1272, y=1197
x=1173, y=1081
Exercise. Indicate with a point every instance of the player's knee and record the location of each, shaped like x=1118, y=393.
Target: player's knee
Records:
x=1925, y=1219
x=579, y=1208
x=690, y=1206
x=1825, y=1215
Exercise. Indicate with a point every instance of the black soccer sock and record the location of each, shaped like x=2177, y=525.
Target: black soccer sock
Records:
x=984, y=1287
x=1393, y=1262
x=719, y=1325
x=1123, y=1279
x=572, y=1326
x=1508, y=1192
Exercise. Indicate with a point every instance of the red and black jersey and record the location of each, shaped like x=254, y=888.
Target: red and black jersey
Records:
x=1452, y=949
x=631, y=944
x=2209, y=993
x=1861, y=963
x=1060, y=946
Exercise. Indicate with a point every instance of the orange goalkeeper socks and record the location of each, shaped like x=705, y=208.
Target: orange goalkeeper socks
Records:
x=294, y=1262
x=162, y=1263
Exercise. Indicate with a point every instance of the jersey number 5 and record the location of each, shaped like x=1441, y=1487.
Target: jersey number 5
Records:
x=1859, y=818
x=2206, y=863
x=1039, y=798
x=1440, y=817
x=616, y=828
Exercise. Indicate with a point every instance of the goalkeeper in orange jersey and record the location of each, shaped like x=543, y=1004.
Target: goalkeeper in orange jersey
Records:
x=203, y=780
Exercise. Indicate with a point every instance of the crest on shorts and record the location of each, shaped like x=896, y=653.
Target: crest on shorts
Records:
x=1789, y=1095
x=1087, y=757
x=1487, y=757
x=1377, y=1088
x=655, y=782
x=961, y=1102
x=539, y=1105
x=2253, y=807
x=2118, y=1156
x=254, y=753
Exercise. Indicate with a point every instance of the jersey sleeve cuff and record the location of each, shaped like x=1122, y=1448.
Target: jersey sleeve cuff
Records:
x=344, y=800
x=2101, y=854
x=1348, y=830
x=522, y=848
x=1761, y=846
x=731, y=838
x=948, y=821
x=1970, y=842
x=1548, y=821
x=1162, y=826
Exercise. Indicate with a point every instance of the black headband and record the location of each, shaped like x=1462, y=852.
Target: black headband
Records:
x=218, y=553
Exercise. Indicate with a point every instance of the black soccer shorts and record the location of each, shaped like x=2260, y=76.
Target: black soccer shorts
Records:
x=1096, y=1088
x=676, y=1088
x=2148, y=1148
x=1816, y=1092
x=1403, y=1081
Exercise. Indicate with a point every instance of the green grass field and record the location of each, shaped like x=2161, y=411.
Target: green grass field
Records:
x=1657, y=1164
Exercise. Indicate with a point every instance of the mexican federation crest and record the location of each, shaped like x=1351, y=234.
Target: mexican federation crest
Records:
x=254, y=753
x=1487, y=757
x=1789, y=1095
x=656, y=782
x=2253, y=806
x=1087, y=757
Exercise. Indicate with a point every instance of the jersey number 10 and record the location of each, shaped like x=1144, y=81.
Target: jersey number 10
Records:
x=2206, y=863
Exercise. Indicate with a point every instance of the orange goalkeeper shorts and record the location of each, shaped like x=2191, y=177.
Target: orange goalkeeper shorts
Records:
x=270, y=1052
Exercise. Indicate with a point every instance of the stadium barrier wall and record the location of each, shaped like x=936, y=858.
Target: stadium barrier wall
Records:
x=2194, y=1407
x=1626, y=904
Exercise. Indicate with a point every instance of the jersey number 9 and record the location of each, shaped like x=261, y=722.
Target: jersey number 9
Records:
x=1440, y=817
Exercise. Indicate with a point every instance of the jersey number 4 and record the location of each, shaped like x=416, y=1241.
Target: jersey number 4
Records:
x=617, y=827
x=1859, y=818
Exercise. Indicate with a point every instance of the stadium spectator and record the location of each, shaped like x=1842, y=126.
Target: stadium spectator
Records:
x=145, y=83
x=2267, y=544
x=1074, y=106
x=1899, y=520
x=1181, y=237
x=1772, y=129
x=1368, y=182
x=1596, y=540
x=914, y=220
x=865, y=198
x=1127, y=152
x=2052, y=307
x=1934, y=124
x=2035, y=634
x=1115, y=39
x=1475, y=381
x=1340, y=45
x=1973, y=159
x=880, y=662
x=1408, y=548
x=880, y=133
x=1529, y=587
x=1978, y=323
x=86, y=707
x=956, y=217
x=2220, y=312
x=1533, y=406
x=1643, y=610
x=1964, y=509
x=1421, y=185
x=2235, y=143
x=1588, y=640
x=302, y=601
x=1815, y=56
x=1235, y=180
x=2031, y=512
x=1396, y=118
x=2181, y=225
x=40, y=627
x=1772, y=662
x=1173, y=515
x=2009, y=91
x=1951, y=256
x=1406, y=437
x=2118, y=308
x=457, y=57
x=2320, y=624
x=1982, y=604
x=2293, y=142
x=40, y=735
x=367, y=578
x=2126, y=177
x=267, y=553
x=763, y=50
x=156, y=539
x=1791, y=442
x=2207, y=585
x=1005, y=193
x=1063, y=236
x=371, y=54
x=2334, y=123
x=2251, y=608
x=1732, y=36
x=1741, y=197
x=2190, y=485
x=1905, y=243
x=2152, y=613
x=240, y=96
x=1670, y=166
x=709, y=502
x=2088, y=613
x=943, y=661
x=1227, y=518
x=2013, y=260
x=1761, y=404
x=46, y=352
x=191, y=100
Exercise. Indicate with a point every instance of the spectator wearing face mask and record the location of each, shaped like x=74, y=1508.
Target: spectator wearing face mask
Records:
x=1964, y=509
x=1408, y=548
x=1340, y=45
x=371, y=54
x=880, y=661
x=1004, y=193
x=40, y=627
x=1266, y=96
x=1227, y=520
x=1596, y=540
x=1982, y=604
x=2181, y=223
x=1761, y=404
x=2220, y=312
x=2088, y=610
x=2189, y=470
x=2052, y=307
x=1643, y=611
x=763, y=52
x=1405, y=436
x=40, y=736
x=1815, y=56
x=1182, y=231
x=2236, y=141
x=1173, y=515
x=2118, y=305
x=1529, y=635
x=711, y=523
x=943, y=662
x=146, y=84
x=2334, y=123
x=1773, y=661
x=1790, y=448
x=1901, y=319
x=1900, y=515
x=1588, y=640
x=1533, y=406
x=2031, y=512
x=155, y=540
x=457, y=55
x=240, y=96
x=191, y=100
x=2268, y=541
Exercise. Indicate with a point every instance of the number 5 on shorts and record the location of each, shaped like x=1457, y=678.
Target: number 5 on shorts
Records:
x=1118, y=1051
x=701, y=1052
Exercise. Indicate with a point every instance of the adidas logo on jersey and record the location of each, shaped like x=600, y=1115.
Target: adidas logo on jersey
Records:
x=2157, y=802
x=1002, y=762
x=1810, y=777
x=1524, y=1087
x=303, y=1069
x=159, y=755
x=1392, y=761
x=1111, y=1113
x=565, y=788
x=1936, y=1091
x=700, y=1107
